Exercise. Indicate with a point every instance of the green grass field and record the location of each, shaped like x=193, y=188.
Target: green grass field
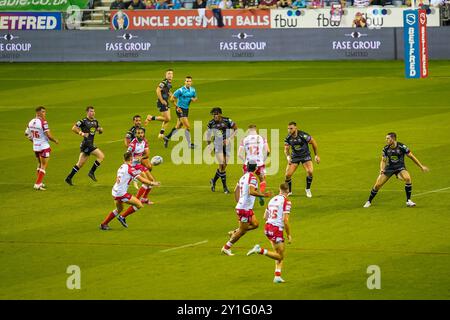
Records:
x=347, y=106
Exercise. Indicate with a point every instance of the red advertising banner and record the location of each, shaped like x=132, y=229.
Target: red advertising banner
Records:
x=188, y=19
x=423, y=43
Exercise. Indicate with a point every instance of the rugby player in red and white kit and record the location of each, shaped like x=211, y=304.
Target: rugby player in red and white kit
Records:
x=125, y=174
x=277, y=221
x=39, y=133
x=245, y=192
x=255, y=148
x=138, y=147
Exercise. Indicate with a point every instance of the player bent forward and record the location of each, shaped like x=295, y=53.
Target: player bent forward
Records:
x=245, y=192
x=393, y=162
x=277, y=220
x=125, y=174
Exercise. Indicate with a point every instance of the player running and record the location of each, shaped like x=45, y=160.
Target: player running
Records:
x=39, y=133
x=277, y=221
x=255, y=148
x=245, y=192
x=163, y=93
x=393, y=162
x=87, y=128
x=297, y=142
x=184, y=95
x=139, y=149
x=223, y=130
x=125, y=174
x=131, y=134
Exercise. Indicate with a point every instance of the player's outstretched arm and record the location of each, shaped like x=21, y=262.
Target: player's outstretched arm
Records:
x=417, y=162
x=254, y=192
x=50, y=137
x=315, y=148
x=148, y=182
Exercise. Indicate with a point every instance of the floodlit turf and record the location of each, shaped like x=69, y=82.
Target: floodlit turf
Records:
x=347, y=106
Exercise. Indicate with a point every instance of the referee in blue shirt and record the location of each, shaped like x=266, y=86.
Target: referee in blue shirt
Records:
x=184, y=95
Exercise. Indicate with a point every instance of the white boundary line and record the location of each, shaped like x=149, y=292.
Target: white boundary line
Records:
x=185, y=246
x=428, y=192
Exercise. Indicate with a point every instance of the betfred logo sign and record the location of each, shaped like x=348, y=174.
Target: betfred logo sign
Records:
x=30, y=21
x=188, y=19
x=415, y=43
x=423, y=44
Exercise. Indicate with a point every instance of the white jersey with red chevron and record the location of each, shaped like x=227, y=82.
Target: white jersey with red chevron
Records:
x=276, y=209
x=36, y=131
x=137, y=149
x=125, y=174
x=254, y=146
x=246, y=201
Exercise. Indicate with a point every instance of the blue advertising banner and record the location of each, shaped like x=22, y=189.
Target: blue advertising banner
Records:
x=411, y=43
x=30, y=20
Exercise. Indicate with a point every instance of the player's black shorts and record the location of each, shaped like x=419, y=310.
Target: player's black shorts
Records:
x=161, y=107
x=300, y=159
x=87, y=148
x=183, y=114
x=391, y=171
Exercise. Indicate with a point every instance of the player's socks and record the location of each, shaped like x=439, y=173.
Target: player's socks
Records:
x=263, y=251
x=95, y=166
x=228, y=245
x=217, y=176
x=141, y=191
x=73, y=172
x=289, y=182
x=171, y=133
x=408, y=190
x=162, y=131
x=308, y=182
x=262, y=186
x=223, y=176
x=109, y=217
x=373, y=193
x=40, y=176
x=129, y=211
x=187, y=134
x=277, y=272
x=147, y=191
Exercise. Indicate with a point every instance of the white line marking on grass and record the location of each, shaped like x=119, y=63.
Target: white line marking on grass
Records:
x=428, y=192
x=185, y=246
x=113, y=141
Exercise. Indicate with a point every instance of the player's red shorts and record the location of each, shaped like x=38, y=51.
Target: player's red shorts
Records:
x=273, y=233
x=260, y=170
x=244, y=215
x=123, y=198
x=140, y=167
x=43, y=153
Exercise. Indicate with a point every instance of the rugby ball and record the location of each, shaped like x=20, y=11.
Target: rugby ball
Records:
x=156, y=160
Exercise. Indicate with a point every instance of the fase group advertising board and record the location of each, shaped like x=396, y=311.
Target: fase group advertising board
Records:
x=376, y=17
